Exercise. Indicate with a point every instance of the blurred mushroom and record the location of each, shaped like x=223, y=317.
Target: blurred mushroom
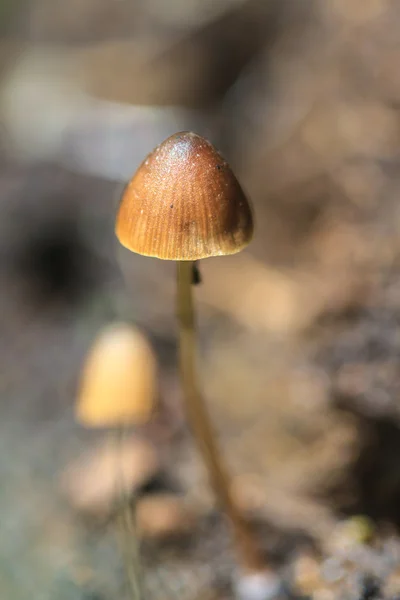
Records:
x=118, y=390
x=118, y=385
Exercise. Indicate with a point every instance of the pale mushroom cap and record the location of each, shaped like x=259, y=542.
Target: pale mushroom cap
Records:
x=118, y=383
x=184, y=203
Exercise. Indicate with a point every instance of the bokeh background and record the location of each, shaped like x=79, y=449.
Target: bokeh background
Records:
x=299, y=334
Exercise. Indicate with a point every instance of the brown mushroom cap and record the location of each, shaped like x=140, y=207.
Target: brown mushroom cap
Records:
x=184, y=203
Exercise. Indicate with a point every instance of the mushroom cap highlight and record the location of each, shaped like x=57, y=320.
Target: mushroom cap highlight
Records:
x=184, y=203
x=118, y=382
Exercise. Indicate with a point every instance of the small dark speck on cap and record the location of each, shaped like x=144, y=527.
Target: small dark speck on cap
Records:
x=171, y=206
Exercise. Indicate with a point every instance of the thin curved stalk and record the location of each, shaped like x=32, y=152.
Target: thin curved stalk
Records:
x=129, y=538
x=200, y=421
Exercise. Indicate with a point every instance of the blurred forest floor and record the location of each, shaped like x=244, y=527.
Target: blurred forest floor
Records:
x=299, y=335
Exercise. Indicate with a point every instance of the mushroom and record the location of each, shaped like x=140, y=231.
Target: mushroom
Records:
x=118, y=381
x=185, y=204
x=118, y=390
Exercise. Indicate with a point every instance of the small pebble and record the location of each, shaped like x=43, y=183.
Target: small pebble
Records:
x=164, y=516
x=392, y=584
x=324, y=594
x=351, y=533
x=333, y=569
x=258, y=586
x=307, y=575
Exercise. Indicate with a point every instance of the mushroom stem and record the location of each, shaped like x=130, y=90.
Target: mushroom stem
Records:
x=200, y=421
x=129, y=540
